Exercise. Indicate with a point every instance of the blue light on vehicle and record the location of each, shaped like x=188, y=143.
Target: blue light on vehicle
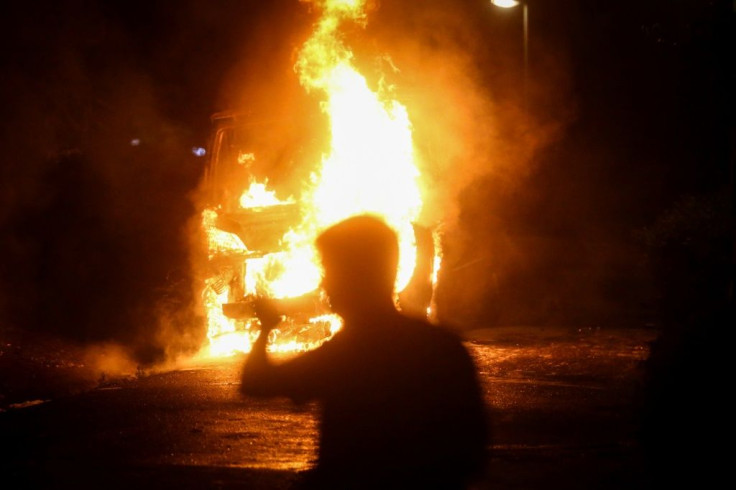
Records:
x=198, y=151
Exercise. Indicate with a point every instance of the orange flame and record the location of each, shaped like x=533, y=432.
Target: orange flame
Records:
x=370, y=168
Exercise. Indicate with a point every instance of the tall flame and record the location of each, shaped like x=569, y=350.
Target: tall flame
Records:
x=371, y=165
x=370, y=168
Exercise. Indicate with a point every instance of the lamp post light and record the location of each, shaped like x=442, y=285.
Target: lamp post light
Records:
x=507, y=4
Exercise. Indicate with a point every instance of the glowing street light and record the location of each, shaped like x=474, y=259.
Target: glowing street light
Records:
x=507, y=4
x=525, y=17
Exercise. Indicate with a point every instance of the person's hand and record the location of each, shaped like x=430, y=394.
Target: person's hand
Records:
x=267, y=313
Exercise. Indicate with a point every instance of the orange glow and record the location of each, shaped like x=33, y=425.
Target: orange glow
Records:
x=370, y=167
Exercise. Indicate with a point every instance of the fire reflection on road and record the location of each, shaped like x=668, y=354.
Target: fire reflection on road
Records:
x=544, y=387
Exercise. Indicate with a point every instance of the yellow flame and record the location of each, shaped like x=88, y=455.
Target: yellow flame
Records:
x=258, y=195
x=219, y=241
x=371, y=165
x=370, y=168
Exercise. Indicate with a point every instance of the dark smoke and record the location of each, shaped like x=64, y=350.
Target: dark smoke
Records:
x=542, y=191
x=539, y=192
x=94, y=245
x=480, y=134
x=103, y=102
x=458, y=74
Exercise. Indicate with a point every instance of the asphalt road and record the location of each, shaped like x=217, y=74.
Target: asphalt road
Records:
x=562, y=408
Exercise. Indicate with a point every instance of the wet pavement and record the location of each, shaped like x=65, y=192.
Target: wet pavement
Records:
x=563, y=414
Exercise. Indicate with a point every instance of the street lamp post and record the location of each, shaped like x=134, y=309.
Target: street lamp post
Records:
x=525, y=34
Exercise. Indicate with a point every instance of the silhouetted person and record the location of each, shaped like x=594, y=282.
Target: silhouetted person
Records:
x=401, y=404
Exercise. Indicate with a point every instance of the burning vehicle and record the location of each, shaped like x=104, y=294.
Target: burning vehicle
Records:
x=245, y=225
x=260, y=243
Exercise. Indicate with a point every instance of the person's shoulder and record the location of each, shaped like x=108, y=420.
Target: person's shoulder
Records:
x=437, y=344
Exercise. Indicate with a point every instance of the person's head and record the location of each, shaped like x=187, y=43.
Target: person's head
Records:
x=360, y=258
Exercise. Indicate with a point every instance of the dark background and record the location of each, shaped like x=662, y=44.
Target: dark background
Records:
x=607, y=200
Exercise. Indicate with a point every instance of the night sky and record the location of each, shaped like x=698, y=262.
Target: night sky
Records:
x=629, y=115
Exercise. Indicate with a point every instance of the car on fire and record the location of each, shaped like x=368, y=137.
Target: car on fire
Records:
x=239, y=157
